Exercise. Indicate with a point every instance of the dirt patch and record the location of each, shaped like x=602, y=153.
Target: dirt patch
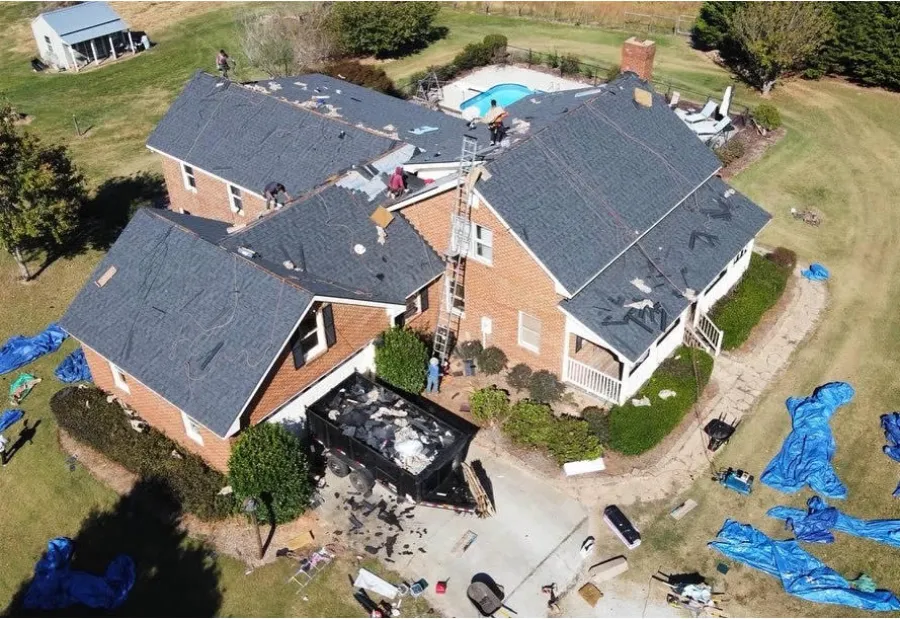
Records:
x=755, y=146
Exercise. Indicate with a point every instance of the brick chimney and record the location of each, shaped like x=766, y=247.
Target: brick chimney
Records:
x=637, y=57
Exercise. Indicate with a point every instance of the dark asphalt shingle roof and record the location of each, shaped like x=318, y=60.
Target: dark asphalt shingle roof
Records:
x=250, y=138
x=684, y=252
x=384, y=113
x=588, y=181
x=196, y=324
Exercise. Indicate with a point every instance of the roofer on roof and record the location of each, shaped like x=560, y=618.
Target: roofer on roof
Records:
x=494, y=119
x=277, y=194
x=397, y=182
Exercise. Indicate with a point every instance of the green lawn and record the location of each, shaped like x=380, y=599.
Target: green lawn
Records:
x=742, y=308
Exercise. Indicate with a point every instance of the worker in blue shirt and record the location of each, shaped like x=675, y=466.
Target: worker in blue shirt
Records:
x=434, y=376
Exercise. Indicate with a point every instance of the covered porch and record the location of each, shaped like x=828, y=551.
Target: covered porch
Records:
x=594, y=368
x=96, y=51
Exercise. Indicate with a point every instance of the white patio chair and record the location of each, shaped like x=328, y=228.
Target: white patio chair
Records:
x=708, y=130
x=705, y=114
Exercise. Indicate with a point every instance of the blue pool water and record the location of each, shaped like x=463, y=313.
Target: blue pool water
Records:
x=504, y=94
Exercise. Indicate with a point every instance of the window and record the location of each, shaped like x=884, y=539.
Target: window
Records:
x=49, y=44
x=309, y=340
x=190, y=182
x=482, y=244
x=237, y=203
x=192, y=429
x=416, y=304
x=740, y=255
x=457, y=302
x=529, y=332
x=119, y=378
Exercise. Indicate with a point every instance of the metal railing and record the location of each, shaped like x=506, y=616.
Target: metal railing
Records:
x=710, y=332
x=593, y=381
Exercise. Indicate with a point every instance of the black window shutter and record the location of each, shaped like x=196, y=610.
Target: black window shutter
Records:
x=423, y=299
x=328, y=322
x=297, y=352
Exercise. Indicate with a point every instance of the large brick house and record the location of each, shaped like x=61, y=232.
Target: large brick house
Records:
x=600, y=237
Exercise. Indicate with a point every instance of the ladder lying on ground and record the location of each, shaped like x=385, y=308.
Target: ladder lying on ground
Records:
x=460, y=233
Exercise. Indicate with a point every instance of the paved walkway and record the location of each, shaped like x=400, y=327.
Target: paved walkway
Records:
x=740, y=378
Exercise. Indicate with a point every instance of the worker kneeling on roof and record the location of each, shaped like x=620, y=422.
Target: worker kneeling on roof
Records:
x=276, y=194
x=494, y=120
x=397, y=183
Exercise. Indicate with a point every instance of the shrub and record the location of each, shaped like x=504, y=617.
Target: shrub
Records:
x=496, y=43
x=489, y=405
x=813, y=73
x=268, y=463
x=545, y=387
x=469, y=349
x=588, y=72
x=384, y=28
x=613, y=72
x=598, y=421
x=401, y=359
x=783, y=257
x=519, y=377
x=633, y=430
x=571, y=440
x=730, y=152
x=362, y=75
x=89, y=418
x=767, y=116
x=569, y=64
x=552, y=59
x=491, y=360
x=529, y=423
x=473, y=55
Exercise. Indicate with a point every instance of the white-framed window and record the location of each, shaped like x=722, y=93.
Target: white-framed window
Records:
x=309, y=340
x=487, y=329
x=529, y=332
x=192, y=429
x=237, y=201
x=416, y=304
x=456, y=302
x=190, y=181
x=482, y=244
x=119, y=378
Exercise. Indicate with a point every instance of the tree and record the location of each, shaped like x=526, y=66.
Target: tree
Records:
x=772, y=39
x=41, y=192
x=364, y=75
x=269, y=464
x=385, y=28
x=291, y=39
x=711, y=29
x=866, y=43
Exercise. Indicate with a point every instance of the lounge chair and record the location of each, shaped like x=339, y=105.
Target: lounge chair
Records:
x=704, y=114
x=708, y=130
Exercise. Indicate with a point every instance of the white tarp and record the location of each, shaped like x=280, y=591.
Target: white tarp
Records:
x=583, y=466
x=367, y=580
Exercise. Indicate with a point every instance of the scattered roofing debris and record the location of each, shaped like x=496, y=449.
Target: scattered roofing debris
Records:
x=390, y=425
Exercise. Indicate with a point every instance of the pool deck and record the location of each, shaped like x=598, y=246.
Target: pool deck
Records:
x=477, y=82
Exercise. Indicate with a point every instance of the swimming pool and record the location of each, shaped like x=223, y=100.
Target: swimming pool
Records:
x=504, y=94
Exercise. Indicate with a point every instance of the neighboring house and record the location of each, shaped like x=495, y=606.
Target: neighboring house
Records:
x=76, y=36
x=600, y=237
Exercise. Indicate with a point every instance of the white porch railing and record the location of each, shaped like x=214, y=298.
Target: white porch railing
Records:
x=710, y=332
x=593, y=381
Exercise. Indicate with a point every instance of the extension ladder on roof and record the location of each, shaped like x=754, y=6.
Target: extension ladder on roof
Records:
x=460, y=233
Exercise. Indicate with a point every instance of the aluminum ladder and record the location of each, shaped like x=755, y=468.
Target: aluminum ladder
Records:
x=460, y=234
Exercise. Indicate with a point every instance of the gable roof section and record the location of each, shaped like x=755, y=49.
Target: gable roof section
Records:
x=196, y=324
x=84, y=21
x=591, y=179
x=685, y=252
x=377, y=111
x=250, y=138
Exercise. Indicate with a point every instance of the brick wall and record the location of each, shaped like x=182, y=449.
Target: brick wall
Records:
x=637, y=57
x=514, y=282
x=159, y=413
x=354, y=327
x=210, y=199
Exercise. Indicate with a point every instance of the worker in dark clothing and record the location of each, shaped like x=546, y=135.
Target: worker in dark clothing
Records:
x=397, y=184
x=276, y=194
x=223, y=63
x=494, y=119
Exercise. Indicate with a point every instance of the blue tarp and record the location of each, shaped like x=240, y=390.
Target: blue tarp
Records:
x=816, y=523
x=20, y=350
x=805, y=456
x=74, y=368
x=890, y=423
x=9, y=417
x=801, y=574
x=56, y=585
x=816, y=272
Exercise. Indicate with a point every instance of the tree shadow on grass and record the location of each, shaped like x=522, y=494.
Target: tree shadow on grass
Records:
x=175, y=576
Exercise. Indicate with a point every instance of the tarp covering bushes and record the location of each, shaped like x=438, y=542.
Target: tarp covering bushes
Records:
x=817, y=522
x=805, y=456
x=20, y=350
x=9, y=417
x=801, y=574
x=56, y=585
x=73, y=368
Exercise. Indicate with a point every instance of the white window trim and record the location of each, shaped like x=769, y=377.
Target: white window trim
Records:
x=185, y=175
x=119, y=377
x=487, y=328
x=474, y=242
x=232, y=198
x=321, y=346
x=522, y=342
x=191, y=428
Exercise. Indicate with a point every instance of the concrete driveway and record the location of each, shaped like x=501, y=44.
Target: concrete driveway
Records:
x=533, y=540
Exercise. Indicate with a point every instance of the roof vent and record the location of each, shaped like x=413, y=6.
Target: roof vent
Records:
x=729, y=192
x=360, y=249
x=246, y=252
x=107, y=275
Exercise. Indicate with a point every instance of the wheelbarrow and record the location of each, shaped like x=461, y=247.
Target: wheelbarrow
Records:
x=487, y=597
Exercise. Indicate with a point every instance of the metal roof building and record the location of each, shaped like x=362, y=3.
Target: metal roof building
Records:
x=76, y=36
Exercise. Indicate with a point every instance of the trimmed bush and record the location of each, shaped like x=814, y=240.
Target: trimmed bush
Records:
x=767, y=116
x=569, y=64
x=783, y=257
x=401, y=359
x=385, y=28
x=360, y=74
x=613, y=72
x=473, y=55
x=742, y=308
x=598, y=421
x=489, y=405
x=633, y=430
x=545, y=387
x=491, y=360
x=529, y=423
x=90, y=419
x=268, y=463
x=519, y=377
x=730, y=152
x=496, y=43
x=566, y=438
x=552, y=59
x=469, y=349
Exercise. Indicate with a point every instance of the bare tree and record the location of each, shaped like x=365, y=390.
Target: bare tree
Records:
x=289, y=39
x=777, y=38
